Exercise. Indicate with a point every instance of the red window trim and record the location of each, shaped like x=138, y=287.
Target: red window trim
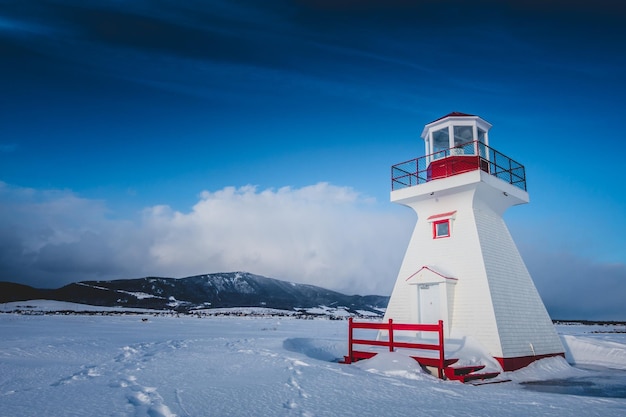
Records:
x=435, y=223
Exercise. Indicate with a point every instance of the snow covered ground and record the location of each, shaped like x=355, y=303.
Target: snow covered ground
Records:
x=125, y=365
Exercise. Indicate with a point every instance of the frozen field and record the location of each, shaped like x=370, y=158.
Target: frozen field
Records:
x=81, y=365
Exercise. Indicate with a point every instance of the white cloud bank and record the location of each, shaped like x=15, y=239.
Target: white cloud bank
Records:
x=321, y=234
x=575, y=287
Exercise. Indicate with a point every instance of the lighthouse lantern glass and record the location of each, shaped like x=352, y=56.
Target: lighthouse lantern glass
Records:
x=441, y=142
x=481, y=135
x=462, y=135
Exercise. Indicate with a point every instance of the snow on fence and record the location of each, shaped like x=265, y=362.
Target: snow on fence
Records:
x=391, y=327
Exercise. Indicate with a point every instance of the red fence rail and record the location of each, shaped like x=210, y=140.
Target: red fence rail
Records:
x=391, y=327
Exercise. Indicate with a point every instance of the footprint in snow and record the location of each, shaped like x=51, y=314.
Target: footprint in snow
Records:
x=85, y=373
x=147, y=401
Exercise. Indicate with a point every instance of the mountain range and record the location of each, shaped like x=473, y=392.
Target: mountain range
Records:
x=219, y=290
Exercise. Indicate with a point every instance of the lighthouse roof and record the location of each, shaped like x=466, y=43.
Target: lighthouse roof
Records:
x=456, y=118
x=453, y=114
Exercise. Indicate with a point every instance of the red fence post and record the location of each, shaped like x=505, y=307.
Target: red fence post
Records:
x=441, y=350
x=349, y=341
x=390, y=335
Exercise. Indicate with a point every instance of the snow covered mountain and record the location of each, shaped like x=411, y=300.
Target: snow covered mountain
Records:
x=234, y=289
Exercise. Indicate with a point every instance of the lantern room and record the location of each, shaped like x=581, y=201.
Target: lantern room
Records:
x=455, y=134
x=455, y=143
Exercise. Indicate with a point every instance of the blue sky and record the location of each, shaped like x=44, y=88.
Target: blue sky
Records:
x=205, y=136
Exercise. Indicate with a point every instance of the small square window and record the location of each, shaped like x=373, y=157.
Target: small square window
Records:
x=441, y=229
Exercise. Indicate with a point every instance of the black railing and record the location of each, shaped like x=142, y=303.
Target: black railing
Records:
x=431, y=167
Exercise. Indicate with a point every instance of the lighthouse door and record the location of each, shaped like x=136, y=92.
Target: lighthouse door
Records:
x=429, y=303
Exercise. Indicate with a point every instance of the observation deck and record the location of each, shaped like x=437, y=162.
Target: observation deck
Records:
x=465, y=157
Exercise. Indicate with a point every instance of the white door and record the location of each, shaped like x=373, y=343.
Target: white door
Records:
x=429, y=303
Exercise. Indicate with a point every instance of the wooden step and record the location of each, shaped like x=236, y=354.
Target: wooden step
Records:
x=434, y=362
x=488, y=381
x=451, y=372
x=480, y=376
x=467, y=377
x=357, y=356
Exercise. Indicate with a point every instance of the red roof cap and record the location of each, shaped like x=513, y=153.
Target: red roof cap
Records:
x=454, y=114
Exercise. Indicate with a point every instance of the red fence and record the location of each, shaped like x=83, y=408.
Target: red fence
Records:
x=391, y=327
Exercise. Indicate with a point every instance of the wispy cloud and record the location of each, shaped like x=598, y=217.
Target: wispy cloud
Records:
x=18, y=27
x=214, y=51
x=8, y=147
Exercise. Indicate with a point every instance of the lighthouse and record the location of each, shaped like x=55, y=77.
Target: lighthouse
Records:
x=462, y=266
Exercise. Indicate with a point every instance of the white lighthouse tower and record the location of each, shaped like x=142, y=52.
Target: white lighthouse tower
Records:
x=461, y=265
